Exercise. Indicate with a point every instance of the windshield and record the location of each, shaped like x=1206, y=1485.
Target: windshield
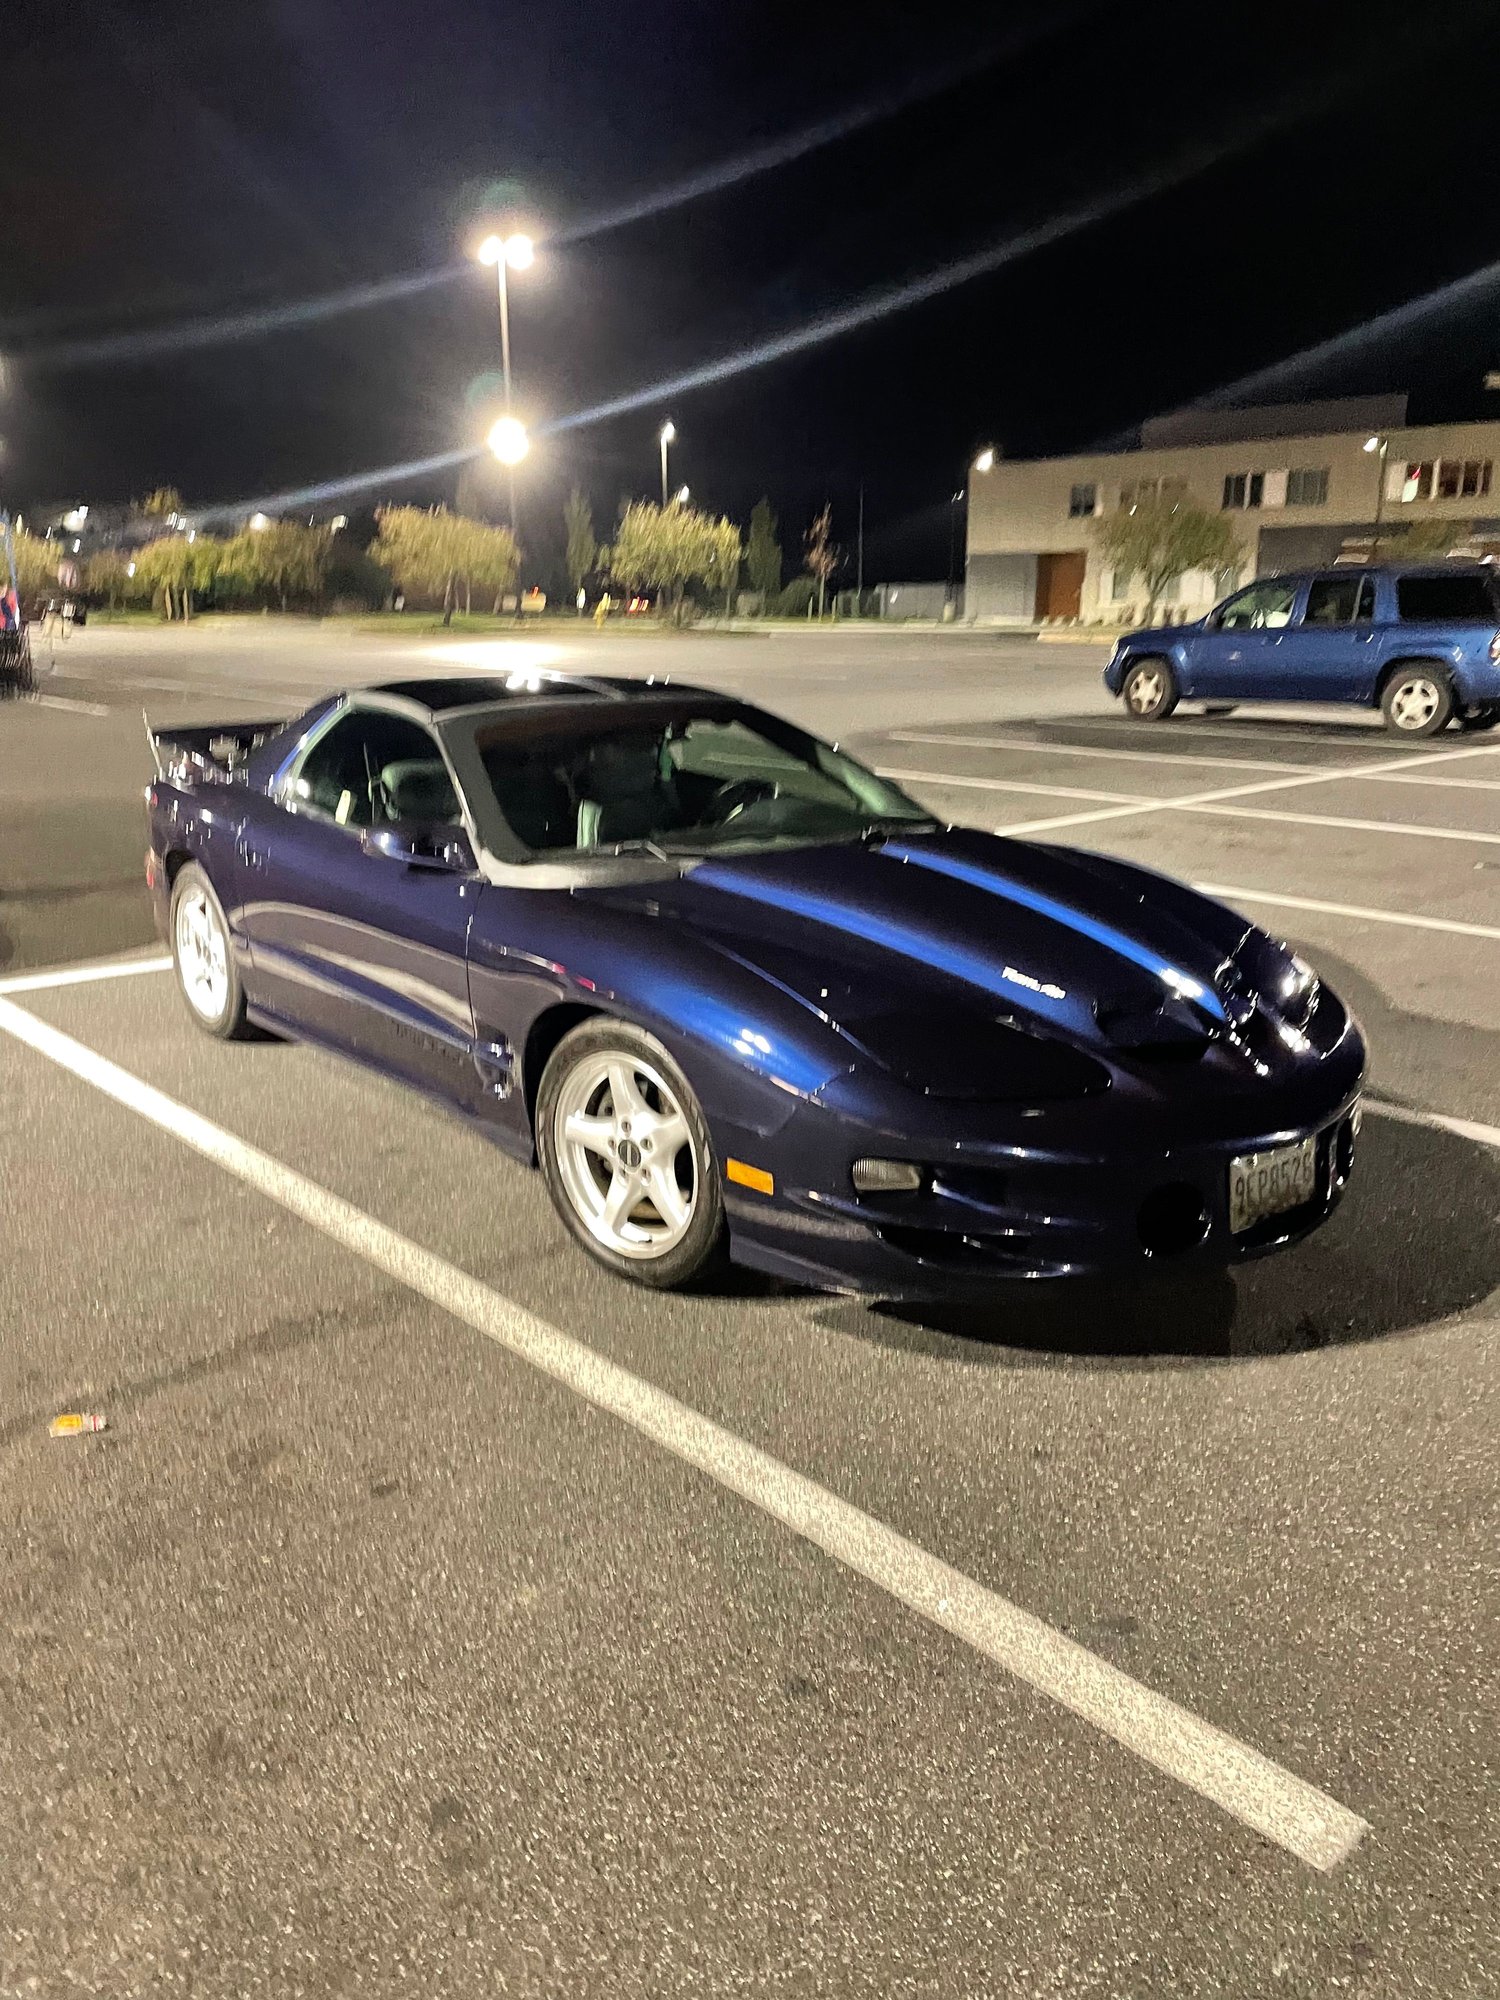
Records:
x=683, y=784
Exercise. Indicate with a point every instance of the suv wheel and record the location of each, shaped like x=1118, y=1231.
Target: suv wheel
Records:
x=1418, y=700
x=1149, y=690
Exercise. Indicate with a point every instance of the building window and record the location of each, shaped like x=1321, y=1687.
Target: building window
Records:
x=1417, y=485
x=1119, y=586
x=1083, y=500
x=1307, y=486
x=1475, y=478
x=1169, y=490
x=1243, y=489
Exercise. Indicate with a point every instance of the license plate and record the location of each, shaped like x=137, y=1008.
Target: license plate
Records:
x=1262, y=1184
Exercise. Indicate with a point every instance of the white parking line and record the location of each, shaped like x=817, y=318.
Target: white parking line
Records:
x=1229, y=893
x=1177, y=757
x=1411, y=830
x=83, y=975
x=1466, y=1128
x=68, y=705
x=1250, y=1787
x=1093, y=750
x=1247, y=791
x=1004, y=785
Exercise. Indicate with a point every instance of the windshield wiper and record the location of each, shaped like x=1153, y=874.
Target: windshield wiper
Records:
x=895, y=823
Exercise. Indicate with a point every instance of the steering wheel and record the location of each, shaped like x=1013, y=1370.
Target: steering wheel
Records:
x=736, y=795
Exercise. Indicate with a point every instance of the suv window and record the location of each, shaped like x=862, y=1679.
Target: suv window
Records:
x=1445, y=600
x=1268, y=603
x=371, y=768
x=1339, y=600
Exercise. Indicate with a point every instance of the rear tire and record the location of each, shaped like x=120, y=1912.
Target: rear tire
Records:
x=1149, y=690
x=203, y=957
x=1417, y=700
x=627, y=1157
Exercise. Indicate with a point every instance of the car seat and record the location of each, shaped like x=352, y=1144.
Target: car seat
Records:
x=623, y=792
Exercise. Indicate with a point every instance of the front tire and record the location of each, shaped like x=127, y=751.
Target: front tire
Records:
x=627, y=1157
x=203, y=957
x=1417, y=701
x=1150, y=691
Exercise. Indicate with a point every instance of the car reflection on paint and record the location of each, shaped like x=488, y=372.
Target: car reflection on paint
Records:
x=739, y=997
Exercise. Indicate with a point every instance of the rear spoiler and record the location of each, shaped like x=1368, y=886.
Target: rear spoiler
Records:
x=212, y=751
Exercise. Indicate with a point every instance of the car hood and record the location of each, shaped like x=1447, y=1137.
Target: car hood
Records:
x=1072, y=947
x=1158, y=635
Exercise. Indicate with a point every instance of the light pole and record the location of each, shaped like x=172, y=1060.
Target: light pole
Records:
x=1379, y=445
x=665, y=436
x=953, y=506
x=507, y=253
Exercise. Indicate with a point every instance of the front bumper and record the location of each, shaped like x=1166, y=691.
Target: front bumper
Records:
x=987, y=1214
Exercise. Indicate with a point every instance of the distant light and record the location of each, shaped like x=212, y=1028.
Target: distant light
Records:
x=339, y=521
x=192, y=534
x=74, y=519
x=130, y=569
x=76, y=547
x=682, y=496
x=1372, y=444
x=668, y=431
x=986, y=459
x=517, y=251
x=260, y=521
x=508, y=440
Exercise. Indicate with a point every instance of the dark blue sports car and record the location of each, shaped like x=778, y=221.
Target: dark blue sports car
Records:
x=738, y=996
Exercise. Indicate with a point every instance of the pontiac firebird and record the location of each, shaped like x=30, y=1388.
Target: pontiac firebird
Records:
x=739, y=997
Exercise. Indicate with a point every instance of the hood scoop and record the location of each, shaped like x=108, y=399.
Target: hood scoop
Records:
x=1170, y=1031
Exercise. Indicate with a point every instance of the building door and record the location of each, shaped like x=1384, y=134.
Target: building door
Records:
x=1059, y=584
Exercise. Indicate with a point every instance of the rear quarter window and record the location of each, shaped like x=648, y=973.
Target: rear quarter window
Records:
x=1445, y=600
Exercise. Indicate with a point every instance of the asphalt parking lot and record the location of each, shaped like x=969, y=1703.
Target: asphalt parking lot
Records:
x=439, y=1615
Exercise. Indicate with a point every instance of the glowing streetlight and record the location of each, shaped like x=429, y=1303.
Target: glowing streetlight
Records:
x=507, y=253
x=665, y=436
x=681, y=497
x=508, y=440
x=985, y=462
x=259, y=522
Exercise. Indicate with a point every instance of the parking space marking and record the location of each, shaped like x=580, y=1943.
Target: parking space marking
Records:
x=1230, y=894
x=1180, y=757
x=1006, y=785
x=1285, y=732
x=84, y=975
x=947, y=778
x=1437, y=1121
x=1260, y=1794
x=1408, y=828
x=1093, y=750
x=1248, y=791
x=69, y=705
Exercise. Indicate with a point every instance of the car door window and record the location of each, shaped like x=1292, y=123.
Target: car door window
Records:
x=371, y=768
x=1267, y=604
x=1339, y=600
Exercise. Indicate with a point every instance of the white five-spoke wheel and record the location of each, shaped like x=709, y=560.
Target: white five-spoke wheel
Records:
x=627, y=1155
x=201, y=953
x=1150, y=690
x=1418, y=701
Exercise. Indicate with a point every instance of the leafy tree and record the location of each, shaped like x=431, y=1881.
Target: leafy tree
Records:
x=1158, y=539
x=822, y=557
x=434, y=555
x=354, y=577
x=763, y=554
x=161, y=501
x=665, y=549
x=795, y=600
x=583, y=549
x=106, y=574
x=164, y=571
x=36, y=566
x=1420, y=541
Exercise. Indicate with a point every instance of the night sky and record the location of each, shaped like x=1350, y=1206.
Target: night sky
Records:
x=162, y=162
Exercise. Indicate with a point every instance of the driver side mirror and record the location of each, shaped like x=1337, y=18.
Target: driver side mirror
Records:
x=421, y=844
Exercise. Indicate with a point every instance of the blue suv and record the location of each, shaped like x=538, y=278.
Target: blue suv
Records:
x=1421, y=643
